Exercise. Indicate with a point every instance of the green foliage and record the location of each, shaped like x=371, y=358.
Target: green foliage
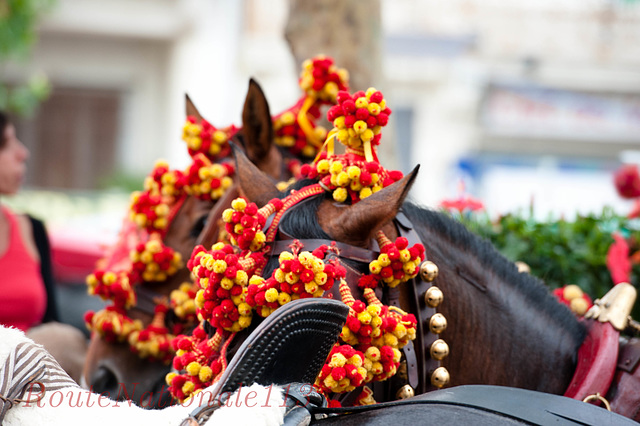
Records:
x=18, y=19
x=560, y=251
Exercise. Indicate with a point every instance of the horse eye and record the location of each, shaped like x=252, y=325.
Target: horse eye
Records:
x=197, y=227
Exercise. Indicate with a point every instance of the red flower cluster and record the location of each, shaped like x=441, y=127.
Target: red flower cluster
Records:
x=627, y=181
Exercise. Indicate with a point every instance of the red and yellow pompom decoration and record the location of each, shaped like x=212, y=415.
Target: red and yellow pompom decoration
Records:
x=295, y=129
x=357, y=174
x=153, y=261
x=154, y=342
x=577, y=300
x=111, y=323
x=322, y=80
x=112, y=286
x=182, y=302
x=299, y=140
x=199, y=357
x=397, y=327
x=206, y=180
x=202, y=137
x=358, y=119
x=150, y=208
x=244, y=223
x=377, y=331
x=223, y=278
x=396, y=263
x=343, y=371
x=298, y=277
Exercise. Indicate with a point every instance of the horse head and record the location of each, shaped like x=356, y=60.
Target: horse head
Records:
x=113, y=368
x=504, y=327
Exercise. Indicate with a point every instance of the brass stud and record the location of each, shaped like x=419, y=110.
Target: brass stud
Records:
x=440, y=377
x=437, y=323
x=405, y=392
x=439, y=350
x=433, y=296
x=428, y=271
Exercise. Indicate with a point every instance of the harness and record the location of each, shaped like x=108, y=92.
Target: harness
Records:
x=421, y=370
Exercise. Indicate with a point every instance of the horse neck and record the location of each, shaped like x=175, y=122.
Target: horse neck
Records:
x=498, y=334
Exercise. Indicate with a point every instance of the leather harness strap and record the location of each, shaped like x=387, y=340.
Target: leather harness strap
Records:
x=419, y=363
x=420, y=355
x=597, y=359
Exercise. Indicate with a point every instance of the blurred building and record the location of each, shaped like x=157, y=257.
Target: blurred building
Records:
x=521, y=99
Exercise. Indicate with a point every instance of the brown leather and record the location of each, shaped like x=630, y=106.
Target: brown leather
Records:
x=623, y=394
x=629, y=355
x=423, y=313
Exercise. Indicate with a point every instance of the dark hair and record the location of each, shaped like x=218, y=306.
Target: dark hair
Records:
x=4, y=122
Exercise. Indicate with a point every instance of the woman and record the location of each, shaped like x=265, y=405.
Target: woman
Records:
x=26, y=281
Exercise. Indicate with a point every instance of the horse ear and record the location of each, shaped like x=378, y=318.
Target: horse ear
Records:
x=359, y=222
x=191, y=109
x=253, y=183
x=256, y=123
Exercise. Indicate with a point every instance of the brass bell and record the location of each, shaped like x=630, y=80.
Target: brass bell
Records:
x=437, y=323
x=440, y=377
x=439, y=349
x=428, y=271
x=405, y=392
x=433, y=296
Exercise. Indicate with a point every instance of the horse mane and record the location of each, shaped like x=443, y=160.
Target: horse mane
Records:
x=533, y=289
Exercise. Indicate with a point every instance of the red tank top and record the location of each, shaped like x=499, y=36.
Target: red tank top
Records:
x=23, y=298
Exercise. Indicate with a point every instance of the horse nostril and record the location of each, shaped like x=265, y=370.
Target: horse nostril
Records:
x=104, y=380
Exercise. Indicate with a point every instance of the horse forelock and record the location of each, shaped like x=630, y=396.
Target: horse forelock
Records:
x=435, y=227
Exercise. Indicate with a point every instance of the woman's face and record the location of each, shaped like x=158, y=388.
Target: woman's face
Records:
x=13, y=159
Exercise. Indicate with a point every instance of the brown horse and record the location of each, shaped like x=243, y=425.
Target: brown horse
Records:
x=113, y=368
x=504, y=327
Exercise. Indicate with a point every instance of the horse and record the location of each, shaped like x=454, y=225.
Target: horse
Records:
x=114, y=368
x=504, y=327
x=35, y=390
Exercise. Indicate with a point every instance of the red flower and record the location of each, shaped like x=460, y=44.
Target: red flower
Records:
x=627, y=181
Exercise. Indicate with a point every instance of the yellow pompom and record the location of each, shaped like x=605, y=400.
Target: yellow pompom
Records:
x=226, y=215
x=340, y=195
x=284, y=298
x=271, y=295
x=336, y=167
x=359, y=126
x=337, y=360
x=205, y=374
x=362, y=102
x=193, y=368
x=239, y=204
x=169, y=378
x=323, y=166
